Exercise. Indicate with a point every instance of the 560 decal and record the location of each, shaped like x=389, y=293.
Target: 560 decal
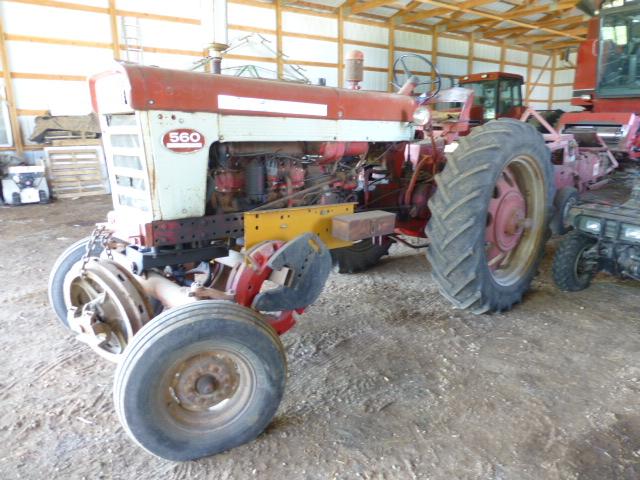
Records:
x=183, y=140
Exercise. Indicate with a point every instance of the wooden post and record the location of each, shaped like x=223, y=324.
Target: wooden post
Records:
x=341, y=47
x=115, y=38
x=529, y=74
x=207, y=66
x=279, y=59
x=434, y=50
x=554, y=66
x=471, y=51
x=537, y=82
x=392, y=57
x=8, y=87
x=503, y=55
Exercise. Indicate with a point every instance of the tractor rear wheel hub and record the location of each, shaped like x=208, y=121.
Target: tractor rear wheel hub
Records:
x=509, y=222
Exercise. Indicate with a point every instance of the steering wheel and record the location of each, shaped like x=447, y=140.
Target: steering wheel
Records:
x=436, y=83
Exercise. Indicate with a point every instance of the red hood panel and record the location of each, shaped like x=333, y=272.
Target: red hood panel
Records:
x=155, y=88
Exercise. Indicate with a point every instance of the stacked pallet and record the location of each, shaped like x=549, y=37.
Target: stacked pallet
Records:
x=76, y=171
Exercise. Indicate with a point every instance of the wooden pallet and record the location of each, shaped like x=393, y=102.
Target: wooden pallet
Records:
x=76, y=171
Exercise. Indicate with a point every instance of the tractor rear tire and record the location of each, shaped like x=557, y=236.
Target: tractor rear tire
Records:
x=360, y=256
x=61, y=267
x=468, y=188
x=200, y=379
x=568, y=273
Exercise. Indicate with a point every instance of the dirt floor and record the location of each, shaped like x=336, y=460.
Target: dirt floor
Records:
x=386, y=381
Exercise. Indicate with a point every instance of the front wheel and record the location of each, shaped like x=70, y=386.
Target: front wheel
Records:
x=63, y=265
x=490, y=216
x=200, y=379
x=572, y=269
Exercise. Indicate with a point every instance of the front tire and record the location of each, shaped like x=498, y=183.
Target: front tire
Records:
x=490, y=216
x=570, y=271
x=200, y=379
x=61, y=267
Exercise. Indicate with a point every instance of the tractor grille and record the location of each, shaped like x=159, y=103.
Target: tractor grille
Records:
x=124, y=148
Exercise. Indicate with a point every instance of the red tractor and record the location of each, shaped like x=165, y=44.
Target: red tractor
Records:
x=607, y=83
x=497, y=95
x=233, y=197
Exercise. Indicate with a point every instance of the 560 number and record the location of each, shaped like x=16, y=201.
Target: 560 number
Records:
x=183, y=140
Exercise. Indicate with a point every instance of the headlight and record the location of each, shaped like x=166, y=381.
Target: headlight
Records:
x=421, y=116
x=590, y=225
x=631, y=233
x=490, y=113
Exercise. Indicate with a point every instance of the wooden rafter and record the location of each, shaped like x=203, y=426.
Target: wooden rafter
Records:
x=411, y=6
x=487, y=17
x=516, y=8
x=543, y=22
x=511, y=16
x=436, y=12
x=533, y=39
x=368, y=5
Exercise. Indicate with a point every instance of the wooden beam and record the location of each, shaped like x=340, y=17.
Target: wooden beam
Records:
x=434, y=51
x=279, y=52
x=529, y=74
x=32, y=112
x=83, y=43
x=554, y=66
x=566, y=22
x=529, y=39
x=391, y=58
x=471, y=51
x=411, y=6
x=115, y=36
x=511, y=14
x=421, y=15
x=537, y=82
x=435, y=12
x=48, y=76
x=122, y=13
x=363, y=7
x=55, y=41
x=559, y=45
x=10, y=95
x=504, y=17
x=340, y=47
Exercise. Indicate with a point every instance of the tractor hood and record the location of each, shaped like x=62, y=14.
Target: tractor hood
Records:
x=129, y=87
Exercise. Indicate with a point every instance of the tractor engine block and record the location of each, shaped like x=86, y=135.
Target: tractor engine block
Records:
x=245, y=175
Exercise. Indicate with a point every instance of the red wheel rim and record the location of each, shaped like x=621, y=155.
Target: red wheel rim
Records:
x=247, y=278
x=515, y=220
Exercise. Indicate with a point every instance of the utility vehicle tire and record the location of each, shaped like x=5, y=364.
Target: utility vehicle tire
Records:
x=200, y=379
x=490, y=216
x=569, y=272
x=61, y=267
x=360, y=256
x=565, y=199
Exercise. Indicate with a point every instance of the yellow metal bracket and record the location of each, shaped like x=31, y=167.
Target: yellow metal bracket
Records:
x=288, y=223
